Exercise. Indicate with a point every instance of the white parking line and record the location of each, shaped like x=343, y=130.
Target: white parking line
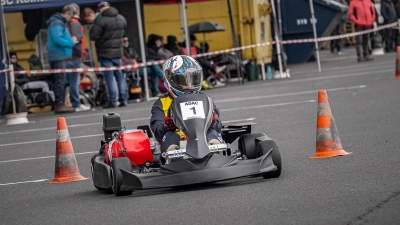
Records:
x=47, y=140
x=70, y=126
x=288, y=94
x=331, y=77
x=269, y=105
x=24, y=182
x=220, y=101
x=98, y=114
x=96, y=135
x=43, y=157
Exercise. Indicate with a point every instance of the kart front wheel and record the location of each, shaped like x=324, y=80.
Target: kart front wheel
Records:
x=116, y=176
x=247, y=145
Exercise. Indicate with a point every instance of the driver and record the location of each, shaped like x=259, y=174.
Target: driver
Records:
x=183, y=75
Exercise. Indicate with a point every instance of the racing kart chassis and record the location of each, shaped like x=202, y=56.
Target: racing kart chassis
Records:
x=199, y=162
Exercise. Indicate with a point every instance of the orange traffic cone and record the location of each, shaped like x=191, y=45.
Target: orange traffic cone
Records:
x=397, y=75
x=66, y=166
x=328, y=142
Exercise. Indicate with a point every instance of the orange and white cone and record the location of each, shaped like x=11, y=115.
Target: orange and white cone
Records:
x=397, y=75
x=328, y=142
x=66, y=168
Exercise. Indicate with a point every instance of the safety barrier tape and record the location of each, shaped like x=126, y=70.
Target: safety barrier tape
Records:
x=136, y=66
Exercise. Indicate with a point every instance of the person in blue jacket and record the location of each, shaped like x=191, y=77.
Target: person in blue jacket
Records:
x=59, y=44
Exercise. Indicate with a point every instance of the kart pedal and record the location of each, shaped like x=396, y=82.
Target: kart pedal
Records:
x=215, y=142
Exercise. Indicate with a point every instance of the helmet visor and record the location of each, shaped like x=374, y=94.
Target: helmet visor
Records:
x=190, y=79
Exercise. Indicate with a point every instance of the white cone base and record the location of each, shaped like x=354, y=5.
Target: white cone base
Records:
x=378, y=51
x=18, y=118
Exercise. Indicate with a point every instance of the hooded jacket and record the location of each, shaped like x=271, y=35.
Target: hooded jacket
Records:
x=107, y=32
x=362, y=13
x=59, y=41
x=388, y=11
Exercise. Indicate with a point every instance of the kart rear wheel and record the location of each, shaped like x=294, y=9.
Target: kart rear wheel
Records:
x=116, y=175
x=92, y=173
x=263, y=147
x=247, y=145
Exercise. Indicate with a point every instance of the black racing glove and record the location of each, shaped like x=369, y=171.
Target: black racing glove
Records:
x=169, y=124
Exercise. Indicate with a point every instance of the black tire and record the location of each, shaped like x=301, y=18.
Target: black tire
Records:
x=116, y=175
x=92, y=173
x=247, y=145
x=263, y=147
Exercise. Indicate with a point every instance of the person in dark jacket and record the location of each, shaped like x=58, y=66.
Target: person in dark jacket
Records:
x=76, y=30
x=362, y=13
x=154, y=71
x=182, y=75
x=59, y=44
x=173, y=45
x=154, y=43
x=107, y=32
x=388, y=12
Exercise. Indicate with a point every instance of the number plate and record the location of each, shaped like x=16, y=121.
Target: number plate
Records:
x=192, y=110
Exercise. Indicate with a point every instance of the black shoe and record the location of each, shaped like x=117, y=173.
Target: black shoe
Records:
x=122, y=104
x=109, y=105
x=368, y=58
x=359, y=59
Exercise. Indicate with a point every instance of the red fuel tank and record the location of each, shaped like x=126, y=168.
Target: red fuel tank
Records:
x=132, y=144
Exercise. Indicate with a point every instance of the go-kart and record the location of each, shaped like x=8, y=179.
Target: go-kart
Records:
x=132, y=159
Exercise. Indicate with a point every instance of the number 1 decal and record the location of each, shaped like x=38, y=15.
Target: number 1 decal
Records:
x=192, y=110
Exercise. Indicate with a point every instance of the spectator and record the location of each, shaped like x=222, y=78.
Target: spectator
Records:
x=154, y=43
x=107, y=32
x=362, y=13
x=336, y=44
x=208, y=68
x=389, y=14
x=163, y=52
x=76, y=30
x=379, y=18
x=154, y=71
x=59, y=44
x=24, y=82
x=173, y=45
x=89, y=16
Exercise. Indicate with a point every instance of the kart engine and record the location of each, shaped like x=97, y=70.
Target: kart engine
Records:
x=119, y=142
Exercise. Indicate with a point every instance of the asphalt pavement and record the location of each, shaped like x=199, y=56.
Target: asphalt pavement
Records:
x=360, y=188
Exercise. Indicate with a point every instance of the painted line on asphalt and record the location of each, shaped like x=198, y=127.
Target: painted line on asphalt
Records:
x=89, y=124
x=97, y=114
x=43, y=157
x=290, y=94
x=269, y=105
x=47, y=140
x=24, y=182
x=338, y=68
x=218, y=101
x=96, y=135
x=331, y=77
x=70, y=126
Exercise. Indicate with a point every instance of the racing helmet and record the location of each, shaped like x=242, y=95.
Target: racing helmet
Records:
x=182, y=75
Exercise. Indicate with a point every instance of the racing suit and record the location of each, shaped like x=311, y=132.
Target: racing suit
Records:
x=167, y=138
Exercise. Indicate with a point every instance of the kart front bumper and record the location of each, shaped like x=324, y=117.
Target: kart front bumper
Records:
x=210, y=169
